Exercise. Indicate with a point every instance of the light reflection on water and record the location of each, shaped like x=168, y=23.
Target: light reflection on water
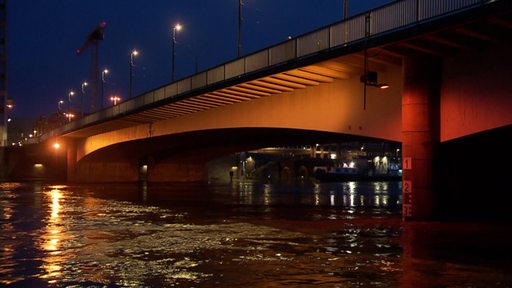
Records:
x=238, y=235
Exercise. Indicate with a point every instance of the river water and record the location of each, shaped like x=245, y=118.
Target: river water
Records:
x=240, y=234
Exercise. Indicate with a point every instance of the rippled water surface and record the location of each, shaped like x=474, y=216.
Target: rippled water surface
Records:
x=238, y=235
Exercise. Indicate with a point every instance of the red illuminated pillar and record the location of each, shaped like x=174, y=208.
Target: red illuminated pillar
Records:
x=420, y=135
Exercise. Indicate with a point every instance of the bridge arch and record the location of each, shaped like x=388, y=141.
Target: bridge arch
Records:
x=183, y=156
x=334, y=107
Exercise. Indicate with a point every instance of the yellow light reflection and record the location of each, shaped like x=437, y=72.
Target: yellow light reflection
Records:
x=352, y=187
x=8, y=251
x=267, y=194
x=56, y=194
x=377, y=201
x=57, y=187
x=246, y=193
x=52, y=238
x=6, y=213
x=316, y=197
x=385, y=199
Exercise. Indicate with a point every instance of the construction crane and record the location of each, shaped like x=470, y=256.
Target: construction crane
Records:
x=93, y=40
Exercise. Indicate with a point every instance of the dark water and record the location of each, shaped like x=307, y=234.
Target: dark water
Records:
x=238, y=235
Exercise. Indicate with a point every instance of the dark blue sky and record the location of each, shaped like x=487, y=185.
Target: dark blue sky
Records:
x=43, y=36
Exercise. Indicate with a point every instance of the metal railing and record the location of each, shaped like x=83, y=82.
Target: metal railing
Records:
x=392, y=17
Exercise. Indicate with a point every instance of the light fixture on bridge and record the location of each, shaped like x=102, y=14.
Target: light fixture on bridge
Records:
x=176, y=28
x=132, y=55
x=9, y=103
x=370, y=79
x=59, y=105
x=115, y=100
x=82, y=109
x=69, y=116
x=70, y=94
x=103, y=73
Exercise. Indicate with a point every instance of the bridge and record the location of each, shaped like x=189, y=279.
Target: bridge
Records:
x=446, y=64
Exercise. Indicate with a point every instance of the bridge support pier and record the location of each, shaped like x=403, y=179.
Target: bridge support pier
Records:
x=420, y=135
x=177, y=172
x=71, y=158
x=103, y=172
x=98, y=170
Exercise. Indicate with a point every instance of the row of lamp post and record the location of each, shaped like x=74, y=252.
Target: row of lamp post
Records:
x=68, y=113
x=176, y=28
x=115, y=99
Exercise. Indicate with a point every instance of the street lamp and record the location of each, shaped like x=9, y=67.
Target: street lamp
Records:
x=345, y=17
x=103, y=73
x=59, y=107
x=345, y=10
x=239, y=26
x=133, y=54
x=115, y=99
x=71, y=93
x=177, y=27
x=9, y=104
x=59, y=110
x=70, y=116
x=84, y=84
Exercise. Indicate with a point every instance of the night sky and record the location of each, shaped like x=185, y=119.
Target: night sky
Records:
x=43, y=36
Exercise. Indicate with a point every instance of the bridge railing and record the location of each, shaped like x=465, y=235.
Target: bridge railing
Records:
x=392, y=17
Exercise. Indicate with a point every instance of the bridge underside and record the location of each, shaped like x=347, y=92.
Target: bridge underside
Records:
x=293, y=111
x=184, y=156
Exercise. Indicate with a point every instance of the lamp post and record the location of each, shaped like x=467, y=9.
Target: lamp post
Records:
x=59, y=107
x=71, y=93
x=176, y=28
x=345, y=10
x=82, y=112
x=132, y=55
x=345, y=17
x=115, y=100
x=239, y=26
x=103, y=73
